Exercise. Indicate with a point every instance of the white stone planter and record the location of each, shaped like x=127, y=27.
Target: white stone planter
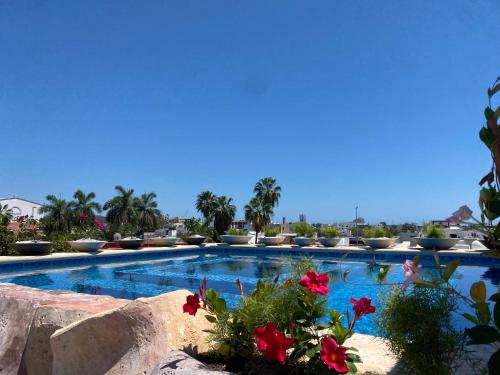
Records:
x=437, y=243
x=195, y=240
x=163, y=241
x=304, y=241
x=87, y=246
x=329, y=241
x=131, y=243
x=235, y=239
x=271, y=241
x=31, y=247
x=380, y=242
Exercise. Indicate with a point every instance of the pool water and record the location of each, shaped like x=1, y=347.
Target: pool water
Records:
x=131, y=280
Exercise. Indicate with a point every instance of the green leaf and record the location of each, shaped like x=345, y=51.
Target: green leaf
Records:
x=494, y=363
x=495, y=297
x=493, y=90
x=450, y=268
x=313, y=351
x=483, y=312
x=471, y=318
x=354, y=358
x=211, y=318
x=382, y=273
x=416, y=260
x=351, y=366
x=496, y=314
x=478, y=291
x=482, y=334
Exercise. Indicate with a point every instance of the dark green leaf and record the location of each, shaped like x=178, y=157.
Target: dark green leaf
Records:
x=494, y=363
x=450, y=268
x=495, y=297
x=483, y=334
x=483, y=312
x=354, y=358
x=352, y=367
x=416, y=260
x=478, y=291
x=470, y=318
x=496, y=314
x=211, y=318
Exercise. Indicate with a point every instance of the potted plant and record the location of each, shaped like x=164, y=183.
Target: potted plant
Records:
x=378, y=238
x=305, y=233
x=163, y=241
x=236, y=237
x=89, y=236
x=329, y=236
x=271, y=237
x=32, y=246
x=195, y=231
x=435, y=239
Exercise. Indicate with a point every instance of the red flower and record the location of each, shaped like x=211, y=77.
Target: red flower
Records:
x=192, y=304
x=272, y=342
x=98, y=224
x=83, y=217
x=315, y=283
x=203, y=288
x=333, y=355
x=239, y=285
x=363, y=306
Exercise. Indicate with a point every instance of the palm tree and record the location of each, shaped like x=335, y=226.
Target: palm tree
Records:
x=267, y=189
x=6, y=214
x=84, y=203
x=206, y=204
x=59, y=215
x=121, y=208
x=258, y=212
x=224, y=214
x=147, y=213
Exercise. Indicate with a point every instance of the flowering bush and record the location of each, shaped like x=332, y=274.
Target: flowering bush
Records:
x=287, y=322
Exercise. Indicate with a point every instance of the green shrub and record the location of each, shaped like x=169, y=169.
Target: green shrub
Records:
x=304, y=230
x=329, y=232
x=271, y=232
x=60, y=242
x=375, y=232
x=418, y=326
x=432, y=231
x=6, y=238
x=236, y=232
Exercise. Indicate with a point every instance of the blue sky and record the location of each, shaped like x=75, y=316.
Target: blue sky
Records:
x=376, y=103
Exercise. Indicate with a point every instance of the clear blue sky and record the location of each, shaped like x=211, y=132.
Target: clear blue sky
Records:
x=376, y=103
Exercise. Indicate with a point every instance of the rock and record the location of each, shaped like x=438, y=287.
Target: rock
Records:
x=181, y=363
x=184, y=331
x=127, y=340
x=29, y=316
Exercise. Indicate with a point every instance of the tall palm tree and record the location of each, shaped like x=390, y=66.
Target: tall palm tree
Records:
x=121, y=208
x=84, y=203
x=147, y=213
x=206, y=204
x=59, y=215
x=224, y=214
x=258, y=212
x=6, y=214
x=267, y=189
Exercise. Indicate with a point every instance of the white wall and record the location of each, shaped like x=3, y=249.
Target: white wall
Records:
x=21, y=207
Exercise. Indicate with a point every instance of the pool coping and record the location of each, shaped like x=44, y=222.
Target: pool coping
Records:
x=354, y=253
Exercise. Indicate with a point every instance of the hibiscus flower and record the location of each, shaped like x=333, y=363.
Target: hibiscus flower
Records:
x=333, y=355
x=363, y=306
x=410, y=271
x=192, y=304
x=315, y=282
x=272, y=343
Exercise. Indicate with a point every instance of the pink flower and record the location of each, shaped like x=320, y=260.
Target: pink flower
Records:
x=98, y=224
x=239, y=285
x=410, y=271
x=333, y=355
x=363, y=306
x=192, y=304
x=83, y=217
x=125, y=222
x=272, y=342
x=203, y=288
x=315, y=282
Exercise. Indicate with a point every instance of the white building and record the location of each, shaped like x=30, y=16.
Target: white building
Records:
x=22, y=207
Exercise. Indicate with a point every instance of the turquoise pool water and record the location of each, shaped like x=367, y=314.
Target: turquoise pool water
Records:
x=144, y=278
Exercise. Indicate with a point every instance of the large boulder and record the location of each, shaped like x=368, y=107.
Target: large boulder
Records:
x=180, y=363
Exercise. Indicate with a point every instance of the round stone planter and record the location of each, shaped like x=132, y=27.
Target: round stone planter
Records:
x=195, y=240
x=304, y=241
x=329, y=241
x=235, y=240
x=163, y=241
x=271, y=241
x=380, y=243
x=31, y=247
x=437, y=243
x=86, y=246
x=132, y=244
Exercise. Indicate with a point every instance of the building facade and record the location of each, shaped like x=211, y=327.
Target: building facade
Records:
x=22, y=207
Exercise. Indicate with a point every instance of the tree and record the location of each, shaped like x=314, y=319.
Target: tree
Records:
x=59, y=215
x=121, y=208
x=224, y=214
x=6, y=214
x=85, y=204
x=147, y=213
x=206, y=204
x=267, y=189
x=258, y=212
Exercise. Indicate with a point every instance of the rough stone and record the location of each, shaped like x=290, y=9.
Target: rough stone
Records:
x=180, y=363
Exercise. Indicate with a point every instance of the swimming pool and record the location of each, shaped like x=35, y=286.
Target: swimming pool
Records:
x=151, y=277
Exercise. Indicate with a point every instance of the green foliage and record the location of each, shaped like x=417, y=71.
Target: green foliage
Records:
x=268, y=190
x=237, y=232
x=60, y=242
x=304, y=230
x=202, y=228
x=432, y=231
x=6, y=238
x=418, y=327
x=375, y=232
x=271, y=231
x=329, y=232
x=258, y=212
